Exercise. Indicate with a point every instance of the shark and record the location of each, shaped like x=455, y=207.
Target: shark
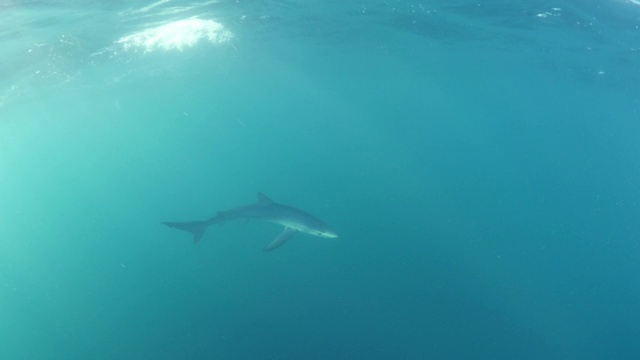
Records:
x=294, y=221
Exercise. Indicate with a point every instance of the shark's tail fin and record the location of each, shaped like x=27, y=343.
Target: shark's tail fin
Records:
x=197, y=228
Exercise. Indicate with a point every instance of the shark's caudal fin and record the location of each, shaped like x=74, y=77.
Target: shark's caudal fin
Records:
x=197, y=228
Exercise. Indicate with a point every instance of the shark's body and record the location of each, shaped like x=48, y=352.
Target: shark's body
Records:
x=294, y=221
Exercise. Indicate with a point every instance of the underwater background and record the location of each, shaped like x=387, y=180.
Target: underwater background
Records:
x=480, y=162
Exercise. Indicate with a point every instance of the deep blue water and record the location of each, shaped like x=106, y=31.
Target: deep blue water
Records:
x=479, y=160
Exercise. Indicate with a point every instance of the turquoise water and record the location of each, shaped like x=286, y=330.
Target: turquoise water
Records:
x=479, y=161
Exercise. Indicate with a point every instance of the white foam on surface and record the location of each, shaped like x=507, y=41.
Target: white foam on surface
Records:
x=176, y=35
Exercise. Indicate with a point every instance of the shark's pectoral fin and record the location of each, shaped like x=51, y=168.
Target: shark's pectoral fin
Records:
x=285, y=235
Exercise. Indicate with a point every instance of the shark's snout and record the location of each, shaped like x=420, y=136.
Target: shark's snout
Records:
x=329, y=234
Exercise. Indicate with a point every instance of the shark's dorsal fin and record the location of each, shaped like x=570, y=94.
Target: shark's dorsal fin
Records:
x=264, y=199
x=285, y=235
